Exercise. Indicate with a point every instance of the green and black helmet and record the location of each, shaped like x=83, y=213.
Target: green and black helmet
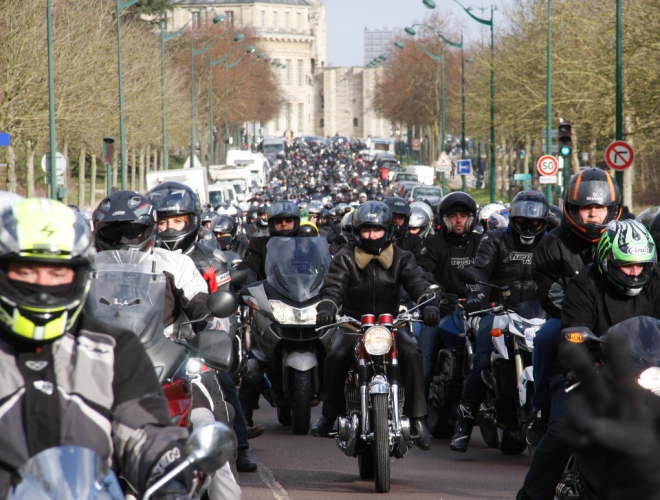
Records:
x=626, y=243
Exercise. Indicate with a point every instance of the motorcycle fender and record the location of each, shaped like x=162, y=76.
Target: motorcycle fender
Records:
x=500, y=345
x=379, y=385
x=526, y=378
x=501, y=322
x=301, y=361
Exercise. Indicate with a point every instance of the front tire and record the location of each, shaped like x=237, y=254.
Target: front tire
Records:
x=301, y=402
x=381, y=443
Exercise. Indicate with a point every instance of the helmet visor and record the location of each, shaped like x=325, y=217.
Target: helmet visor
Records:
x=529, y=210
x=121, y=234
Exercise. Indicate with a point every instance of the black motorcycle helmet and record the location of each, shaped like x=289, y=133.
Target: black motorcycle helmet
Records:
x=125, y=219
x=207, y=218
x=176, y=199
x=398, y=206
x=283, y=210
x=528, y=217
x=225, y=225
x=458, y=202
x=591, y=186
x=373, y=215
x=262, y=221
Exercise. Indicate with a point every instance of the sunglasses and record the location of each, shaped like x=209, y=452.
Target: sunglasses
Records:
x=287, y=220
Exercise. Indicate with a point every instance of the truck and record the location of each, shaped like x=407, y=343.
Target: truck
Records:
x=195, y=178
x=380, y=145
x=425, y=174
x=239, y=176
x=257, y=163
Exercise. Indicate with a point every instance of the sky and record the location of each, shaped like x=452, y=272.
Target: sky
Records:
x=347, y=19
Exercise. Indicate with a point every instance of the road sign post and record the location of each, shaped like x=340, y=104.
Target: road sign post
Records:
x=619, y=155
x=463, y=167
x=548, y=166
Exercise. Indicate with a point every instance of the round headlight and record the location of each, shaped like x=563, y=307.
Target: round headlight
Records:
x=194, y=366
x=650, y=379
x=377, y=340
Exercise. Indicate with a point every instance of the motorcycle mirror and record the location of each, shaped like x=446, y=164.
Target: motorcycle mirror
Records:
x=210, y=446
x=215, y=347
x=222, y=304
x=238, y=278
x=580, y=335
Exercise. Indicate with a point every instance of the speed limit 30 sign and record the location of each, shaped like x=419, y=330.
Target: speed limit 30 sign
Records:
x=547, y=165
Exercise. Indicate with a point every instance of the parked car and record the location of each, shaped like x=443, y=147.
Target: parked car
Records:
x=422, y=193
x=400, y=177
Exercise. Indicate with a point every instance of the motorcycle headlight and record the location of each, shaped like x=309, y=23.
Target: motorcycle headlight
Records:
x=194, y=366
x=286, y=315
x=650, y=379
x=377, y=340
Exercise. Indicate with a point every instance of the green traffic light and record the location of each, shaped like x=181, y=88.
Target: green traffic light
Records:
x=565, y=151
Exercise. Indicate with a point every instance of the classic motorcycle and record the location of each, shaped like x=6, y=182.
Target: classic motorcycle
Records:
x=375, y=428
x=74, y=472
x=641, y=335
x=286, y=352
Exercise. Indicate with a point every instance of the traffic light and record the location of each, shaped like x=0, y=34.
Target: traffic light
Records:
x=565, y=138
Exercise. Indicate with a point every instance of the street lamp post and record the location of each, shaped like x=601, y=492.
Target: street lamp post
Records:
x=548, y=126
x=487, y=22
x=619, y=88
x=122, y=136
x=51, y=106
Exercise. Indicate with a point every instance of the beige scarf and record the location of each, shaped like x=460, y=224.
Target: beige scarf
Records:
x=385, y=258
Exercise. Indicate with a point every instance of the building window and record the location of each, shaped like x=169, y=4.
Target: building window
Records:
x=286, y=21
x=301, y=117
x=289, y=112
x=275, y=20
x=229, y=16
x=301, y=72
x=263, y=19
x=322, y=102
x=288, y=71
x=313, y=66
x=322, y=123
x=355, y=122
x=196, y=20
x=299, y=21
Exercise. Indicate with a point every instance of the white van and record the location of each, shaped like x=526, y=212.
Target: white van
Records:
x=239, y=177
x=222, y=192
x=425, y=174
x=380, y=145
x=257, y=163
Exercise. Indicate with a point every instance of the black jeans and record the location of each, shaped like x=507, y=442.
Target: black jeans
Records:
x=231, y=396
x=475, y=388
x=342, y=356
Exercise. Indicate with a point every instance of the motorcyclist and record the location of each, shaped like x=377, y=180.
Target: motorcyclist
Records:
x=369, y=268
x=592, y=201
x=504, y=257
x=401, y=217
x=442, y=255
x=623, y=282
x=259, y=227
x=225, y=229
x=178, y=221
x=72, y=380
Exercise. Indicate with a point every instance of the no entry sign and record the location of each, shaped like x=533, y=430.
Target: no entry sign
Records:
x=547, y=165
x=619, y=155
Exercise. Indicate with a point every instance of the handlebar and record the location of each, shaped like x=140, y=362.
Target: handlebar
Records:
x=495, y=309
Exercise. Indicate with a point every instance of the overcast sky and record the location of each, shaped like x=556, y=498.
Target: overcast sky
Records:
x=347, y=19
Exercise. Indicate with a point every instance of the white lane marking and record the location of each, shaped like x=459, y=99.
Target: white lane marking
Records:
x=267, y=477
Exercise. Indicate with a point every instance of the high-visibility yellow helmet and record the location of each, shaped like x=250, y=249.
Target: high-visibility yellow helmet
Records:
x=47, y=232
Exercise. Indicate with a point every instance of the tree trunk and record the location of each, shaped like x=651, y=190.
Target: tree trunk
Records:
x=92, y=200
x=67, y=175
x=81, y=178
x=133, y=169
x=155, y=159
x=11, y=170
x=141, y=170
x=29, y=167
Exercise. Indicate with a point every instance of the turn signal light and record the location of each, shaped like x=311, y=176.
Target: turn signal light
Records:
x=497, y=332
x=575, y=337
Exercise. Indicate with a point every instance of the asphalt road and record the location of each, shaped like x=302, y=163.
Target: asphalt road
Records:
x=305, y=467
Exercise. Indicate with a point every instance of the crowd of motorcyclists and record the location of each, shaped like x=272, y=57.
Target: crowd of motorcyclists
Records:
x=69, y=379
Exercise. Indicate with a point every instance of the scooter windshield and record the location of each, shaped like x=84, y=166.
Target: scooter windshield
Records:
x=66, y=472
x=642, y=336
x=295, y=266
x=128, y=291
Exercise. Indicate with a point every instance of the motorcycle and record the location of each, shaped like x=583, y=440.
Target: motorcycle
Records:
x=458, y=332
x=507, y=408
x=286, y=352
x=375, y=428
x=128, y=291
x=73, y=472
x=641, y=335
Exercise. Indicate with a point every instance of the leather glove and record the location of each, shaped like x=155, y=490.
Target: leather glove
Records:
x=431, y=315
x=325, y=314
x=475, y=303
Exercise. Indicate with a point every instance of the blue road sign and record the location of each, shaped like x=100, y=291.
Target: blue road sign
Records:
x=5, y=139
x=464, y=167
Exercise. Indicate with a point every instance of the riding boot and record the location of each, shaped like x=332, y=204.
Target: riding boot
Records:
x=461, y=437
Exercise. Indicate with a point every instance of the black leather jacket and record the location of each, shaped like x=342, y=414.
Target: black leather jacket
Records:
x=501, y=261
x=374, y=289
x=558, y=257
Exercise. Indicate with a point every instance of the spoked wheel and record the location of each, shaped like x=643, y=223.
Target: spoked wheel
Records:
x=301, y=404
x=284, y=415
x=366, y=464
x=487, y=425
x=381, y=443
